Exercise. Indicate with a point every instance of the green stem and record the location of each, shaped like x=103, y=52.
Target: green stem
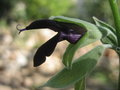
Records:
x=116, y=15
x=81, y=84
x=119, y=74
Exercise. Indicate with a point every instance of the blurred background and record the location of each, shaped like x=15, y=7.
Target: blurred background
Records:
x=17, y=51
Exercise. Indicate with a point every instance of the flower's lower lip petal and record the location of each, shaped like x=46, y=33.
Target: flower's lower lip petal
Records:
x=45, y=50
x=38, y=62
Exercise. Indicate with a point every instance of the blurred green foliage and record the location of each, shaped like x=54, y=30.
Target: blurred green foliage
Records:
x=6, y=7
x=44, y=8
x=97, y=8
x=35, y=9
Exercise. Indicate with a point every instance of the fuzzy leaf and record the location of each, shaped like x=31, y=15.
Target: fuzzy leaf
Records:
x=108, y=32
x=80, y=69
x=104, y=24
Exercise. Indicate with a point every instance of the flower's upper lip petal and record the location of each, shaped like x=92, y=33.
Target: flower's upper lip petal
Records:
x=45, y=50
x=56, y=26
x=67, y=27
x=44, y=23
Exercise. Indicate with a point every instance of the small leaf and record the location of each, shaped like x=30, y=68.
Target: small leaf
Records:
x=108, y=32
x=92, y=35
x=104, y=24
x=80, y=85
x=80, y=69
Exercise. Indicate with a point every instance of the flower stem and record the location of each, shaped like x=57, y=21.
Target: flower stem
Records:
x=81, y=84
x=119, y=74
x=116, y=16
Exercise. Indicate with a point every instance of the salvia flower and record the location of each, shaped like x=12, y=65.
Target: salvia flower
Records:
x=66, y=31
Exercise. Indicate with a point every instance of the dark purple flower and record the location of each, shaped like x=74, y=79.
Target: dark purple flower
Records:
x=66, y=31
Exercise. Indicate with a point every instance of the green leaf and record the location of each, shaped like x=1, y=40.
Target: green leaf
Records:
x=80, y=85
x=108, y=32
x=92, y=35
x=104, y=24
x=80, y=69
